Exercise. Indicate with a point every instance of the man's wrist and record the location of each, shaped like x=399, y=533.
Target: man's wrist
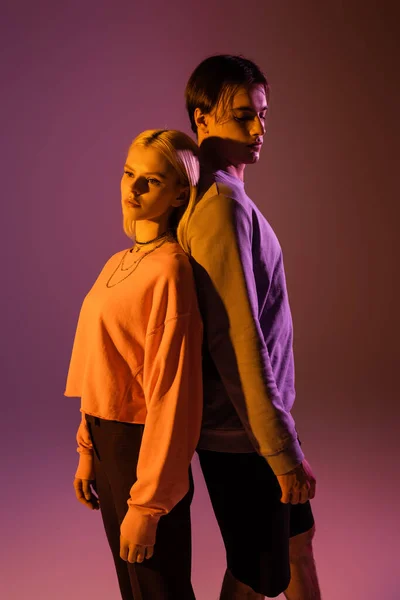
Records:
x=287, y=460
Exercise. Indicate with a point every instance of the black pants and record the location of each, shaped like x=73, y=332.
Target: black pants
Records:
x=166, y=575
x=255, y=525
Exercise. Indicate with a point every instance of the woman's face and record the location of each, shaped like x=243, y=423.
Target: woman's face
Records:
x=149, y=186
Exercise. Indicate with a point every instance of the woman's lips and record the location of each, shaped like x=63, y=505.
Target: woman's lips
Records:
x=132, y=203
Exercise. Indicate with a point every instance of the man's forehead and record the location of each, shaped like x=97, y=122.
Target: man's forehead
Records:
x=246, y=96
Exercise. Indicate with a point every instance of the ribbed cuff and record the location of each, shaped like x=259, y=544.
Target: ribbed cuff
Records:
x=139, y=527
x=85, y=468
x=287, y=460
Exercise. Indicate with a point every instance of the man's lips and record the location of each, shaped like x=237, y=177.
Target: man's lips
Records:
x=256, y=146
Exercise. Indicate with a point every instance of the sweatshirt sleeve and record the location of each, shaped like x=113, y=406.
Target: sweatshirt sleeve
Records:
x=222, y=259
x=172, y=383
x=85, y=449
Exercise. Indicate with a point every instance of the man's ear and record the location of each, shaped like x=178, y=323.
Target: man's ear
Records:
x=201, y=121
x=183, y=197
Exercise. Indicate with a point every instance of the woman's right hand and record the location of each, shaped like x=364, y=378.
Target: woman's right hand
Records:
x=85, y=494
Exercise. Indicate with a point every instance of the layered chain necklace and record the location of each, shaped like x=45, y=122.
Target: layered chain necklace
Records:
x=133, y=266
x=138, y=244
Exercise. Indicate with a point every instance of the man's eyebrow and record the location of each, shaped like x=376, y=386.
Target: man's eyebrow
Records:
x=250, y=109
x=159, y=174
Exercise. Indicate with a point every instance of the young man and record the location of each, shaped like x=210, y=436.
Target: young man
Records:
x=258, y=480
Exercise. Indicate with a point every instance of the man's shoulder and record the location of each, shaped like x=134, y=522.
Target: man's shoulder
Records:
x=219, y=201
x=220, y=211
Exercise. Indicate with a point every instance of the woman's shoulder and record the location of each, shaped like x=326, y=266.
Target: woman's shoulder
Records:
x=116, y=256
x=112, y=260
x=172, y=253
x=166, y=259
x=171, y=260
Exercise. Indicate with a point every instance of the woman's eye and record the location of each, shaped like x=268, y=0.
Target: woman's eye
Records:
x=128, y=173
x=153, y=181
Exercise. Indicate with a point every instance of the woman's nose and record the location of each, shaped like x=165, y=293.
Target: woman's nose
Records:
x=138, y=186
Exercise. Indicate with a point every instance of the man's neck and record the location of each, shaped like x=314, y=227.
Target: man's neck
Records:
x=212, y=160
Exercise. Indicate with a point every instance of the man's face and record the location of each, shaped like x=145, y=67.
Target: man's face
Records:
x=242, y=123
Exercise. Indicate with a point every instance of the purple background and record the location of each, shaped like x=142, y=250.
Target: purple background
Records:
x=79, y=80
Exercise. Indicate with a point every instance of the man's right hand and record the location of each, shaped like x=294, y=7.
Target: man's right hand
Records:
x=84, y=493
x=298, y=485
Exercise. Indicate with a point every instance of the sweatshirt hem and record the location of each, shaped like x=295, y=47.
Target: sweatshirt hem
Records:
x=236, y=441
x=225, y=440
x=99, y=416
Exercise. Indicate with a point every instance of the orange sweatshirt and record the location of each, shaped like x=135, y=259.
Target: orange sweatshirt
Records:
x=137, y=359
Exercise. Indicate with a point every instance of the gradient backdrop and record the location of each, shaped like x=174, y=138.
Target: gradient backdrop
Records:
x=79, y=81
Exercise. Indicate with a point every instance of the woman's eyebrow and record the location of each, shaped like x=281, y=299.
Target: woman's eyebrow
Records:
x=159, y=174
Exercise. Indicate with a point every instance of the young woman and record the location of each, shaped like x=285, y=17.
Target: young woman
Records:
x=136, y=365
x=258, y=480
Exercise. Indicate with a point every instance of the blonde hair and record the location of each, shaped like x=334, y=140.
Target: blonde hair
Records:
x=182, y=153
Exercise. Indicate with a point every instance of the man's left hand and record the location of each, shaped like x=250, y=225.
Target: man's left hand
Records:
x=298, y=485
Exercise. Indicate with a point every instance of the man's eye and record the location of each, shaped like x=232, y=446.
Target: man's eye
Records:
x=128, y=173
x=242, y=119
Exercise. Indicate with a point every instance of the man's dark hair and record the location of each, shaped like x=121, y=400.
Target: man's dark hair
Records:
x=216, y=81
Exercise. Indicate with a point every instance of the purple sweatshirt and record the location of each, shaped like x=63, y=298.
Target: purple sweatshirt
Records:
x=248, y=368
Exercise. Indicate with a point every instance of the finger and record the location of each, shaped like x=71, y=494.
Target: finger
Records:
x=87, y=492
x=94, y=500
x=123, y=548
x=149, y=551
x=79, y=494
x=132, y=555
x=304, y=494
x=95, y=503
x=312, y=490
x=285, y=497
x=87, y=495
x=78, y=487
x=294, y=497
x=140, y=553
x=86, y=503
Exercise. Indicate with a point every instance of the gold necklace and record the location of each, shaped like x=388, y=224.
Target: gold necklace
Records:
x=122, y=263
x=138, y=244
x=130, y=269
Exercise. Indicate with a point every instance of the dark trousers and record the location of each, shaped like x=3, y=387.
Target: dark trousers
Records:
x=254, y=523
x=166, y=575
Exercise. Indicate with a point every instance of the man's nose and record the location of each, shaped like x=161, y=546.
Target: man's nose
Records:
x=258, y=127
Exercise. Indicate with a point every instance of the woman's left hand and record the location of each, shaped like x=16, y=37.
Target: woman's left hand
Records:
x=134, y=552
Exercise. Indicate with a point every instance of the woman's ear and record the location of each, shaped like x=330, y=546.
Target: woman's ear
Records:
x=201, y=121
x=183, y=197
